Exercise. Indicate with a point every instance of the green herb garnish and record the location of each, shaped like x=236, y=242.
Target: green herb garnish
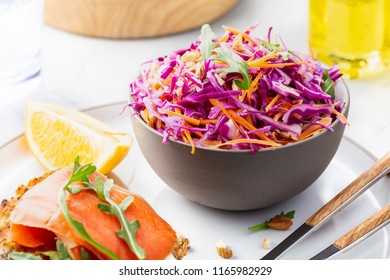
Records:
x=275, y=48
x=264, y=225
x=23, y=256
x=236, y=65
x=328, y=86
x=60, y=254
x=261, y=226
x=63, y=254
x=128, y=229
x=289, y=215
x=270, y=46
x=206, y=42
x=80, y=174
x=84, y=254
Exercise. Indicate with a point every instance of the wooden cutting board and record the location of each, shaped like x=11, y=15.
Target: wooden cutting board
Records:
x=133, y=18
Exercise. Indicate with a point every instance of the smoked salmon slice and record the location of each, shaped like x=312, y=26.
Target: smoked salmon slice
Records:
x=37, y=220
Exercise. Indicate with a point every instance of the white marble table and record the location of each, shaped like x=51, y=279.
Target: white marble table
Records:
x=82, y=72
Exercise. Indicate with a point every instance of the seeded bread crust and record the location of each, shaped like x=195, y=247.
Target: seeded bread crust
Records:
x=6, y=208
x=7, y=246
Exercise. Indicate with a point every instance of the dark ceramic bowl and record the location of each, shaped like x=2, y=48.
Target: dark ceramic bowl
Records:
x=240, y=180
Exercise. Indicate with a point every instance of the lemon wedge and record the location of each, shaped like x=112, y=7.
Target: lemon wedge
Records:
x=56, y=135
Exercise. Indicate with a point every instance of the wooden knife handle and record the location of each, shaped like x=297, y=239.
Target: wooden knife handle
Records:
x=353, y=235
x=339, y=201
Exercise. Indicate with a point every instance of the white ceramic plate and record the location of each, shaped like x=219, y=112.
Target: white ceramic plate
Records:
x=205, y=226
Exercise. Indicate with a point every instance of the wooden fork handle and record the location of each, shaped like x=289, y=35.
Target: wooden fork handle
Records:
x=352, y=191
x=364, y=228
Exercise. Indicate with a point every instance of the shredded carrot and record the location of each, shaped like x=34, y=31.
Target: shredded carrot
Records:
x=282, y=139
x=186, y=118
x=296, y=115
x=314, y=129
x=215, y=102
x=144, y=115
x=242, y=95
x=236, y=32
x=190, y=140
x=272, y=103
x=158, y=123
x=233, y=116
x=274, y=65
x=252, y=88
x=278, y=116
x=248, y=141
x=260, y=61
x=341, y=116
x=250, y=59
x=249, y=119
x=223, y=39
x=249, y=126
x=203, y=122
x=156, y=86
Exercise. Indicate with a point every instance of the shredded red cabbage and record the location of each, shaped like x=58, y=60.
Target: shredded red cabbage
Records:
x=236, y=92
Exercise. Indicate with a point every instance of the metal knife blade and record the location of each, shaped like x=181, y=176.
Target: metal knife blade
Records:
x=293, y=238
x=326, y=253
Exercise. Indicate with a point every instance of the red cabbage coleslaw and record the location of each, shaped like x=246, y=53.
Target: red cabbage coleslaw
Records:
x=237, y=92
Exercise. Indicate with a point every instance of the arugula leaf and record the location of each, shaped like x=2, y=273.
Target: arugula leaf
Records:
x=269, y=46
x=80, y=173
x=23, y=256
x=236, y=65
x=264, y=225
x=75, y=189
x=206, y=42
x=327, y=86
x=102, y=189
x=84, y=254
x=60, y=254
x=62, y=251
x=79, y=227
x=128, y=229
x=105, y=208
x=286, y=55
x=275, y=48
x=53, y=255
x=126, y=203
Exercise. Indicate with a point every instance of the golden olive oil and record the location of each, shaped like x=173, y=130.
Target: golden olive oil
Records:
x=386, y=47
x=355, y=34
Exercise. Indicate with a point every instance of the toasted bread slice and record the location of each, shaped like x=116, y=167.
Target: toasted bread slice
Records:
x=6, y=207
